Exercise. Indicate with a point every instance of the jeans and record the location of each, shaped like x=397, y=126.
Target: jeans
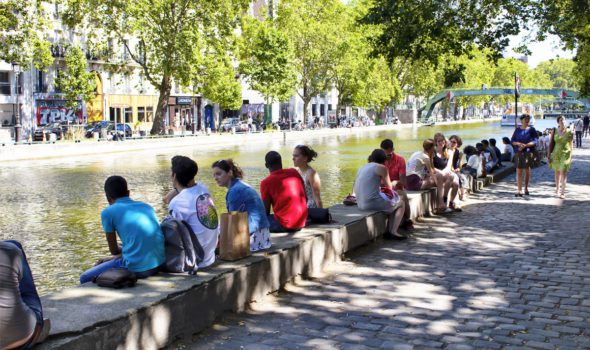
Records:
x=91, y=273
x=276, y=227
x=578, y=139
x=28, y=292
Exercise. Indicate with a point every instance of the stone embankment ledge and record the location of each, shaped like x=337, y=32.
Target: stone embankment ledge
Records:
x=167, y=307
x=11, y=152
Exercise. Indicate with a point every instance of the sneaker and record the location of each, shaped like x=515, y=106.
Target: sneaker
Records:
x=44, y=332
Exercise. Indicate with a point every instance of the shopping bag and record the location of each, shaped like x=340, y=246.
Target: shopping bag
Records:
x=234, y=239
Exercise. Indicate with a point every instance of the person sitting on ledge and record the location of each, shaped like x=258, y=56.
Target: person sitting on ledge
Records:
x=396, y=167
x=421, y=175
x=495, y=150
x=284, y=191
x=241, y=197
x=508, y=150
x=21, y=315
x=136, y=224
x=191, y=201
x=490, y=155
x=473, y=166
x=367, y=187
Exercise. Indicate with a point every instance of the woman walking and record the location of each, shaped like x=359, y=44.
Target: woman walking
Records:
x=562, y=140
x=302, y=156
x=524, y=139
x=241, y=197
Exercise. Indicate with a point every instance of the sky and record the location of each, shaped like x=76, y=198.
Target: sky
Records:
x=541, y=51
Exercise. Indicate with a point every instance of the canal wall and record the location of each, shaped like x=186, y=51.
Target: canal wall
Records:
x=34, y=151
x=167, y=307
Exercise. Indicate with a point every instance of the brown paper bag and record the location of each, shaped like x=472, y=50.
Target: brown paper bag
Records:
x=234, y=238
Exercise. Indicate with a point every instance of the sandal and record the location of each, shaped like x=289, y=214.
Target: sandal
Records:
x=444, y=211
x=455, y=207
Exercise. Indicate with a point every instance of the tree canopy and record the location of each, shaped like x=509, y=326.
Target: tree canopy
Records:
x=22, y=39
x=76, y=82
x=173, y=41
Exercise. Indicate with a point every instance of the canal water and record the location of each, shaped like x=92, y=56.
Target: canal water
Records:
x=53, y=206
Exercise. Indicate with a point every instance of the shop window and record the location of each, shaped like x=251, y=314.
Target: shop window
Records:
x=149, y=114
x=4, y=83
x=141, y=114
x=128, y=114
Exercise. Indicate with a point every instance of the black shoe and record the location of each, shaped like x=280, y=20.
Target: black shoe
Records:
x=526, y=192
x=518, y=195
x=390, y=236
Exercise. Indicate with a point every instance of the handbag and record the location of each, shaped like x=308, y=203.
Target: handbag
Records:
x=319, y=215
x=234, y=237
x=391, y=195
x=552, y=142
x=117, y=278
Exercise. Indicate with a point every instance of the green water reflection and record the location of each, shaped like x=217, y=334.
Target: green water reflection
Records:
x=53, y=206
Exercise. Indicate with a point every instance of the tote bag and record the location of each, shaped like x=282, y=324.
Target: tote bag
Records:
x=234, y=238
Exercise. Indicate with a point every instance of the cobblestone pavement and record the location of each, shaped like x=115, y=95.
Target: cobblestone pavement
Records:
x=506, y=273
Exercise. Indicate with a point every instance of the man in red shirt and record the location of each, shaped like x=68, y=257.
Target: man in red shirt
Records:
x=396, y=165
x=284, y=191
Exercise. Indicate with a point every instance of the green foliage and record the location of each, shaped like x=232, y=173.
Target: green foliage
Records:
x=561, y=72
x=174, y=40
x=75, y=81
x=311, y=27
x=222, y=87
x=427, y=29
x=266, y=58
x=21, y=39
x=381, y=88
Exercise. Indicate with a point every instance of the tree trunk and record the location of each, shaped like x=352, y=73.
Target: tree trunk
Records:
x=165, y=87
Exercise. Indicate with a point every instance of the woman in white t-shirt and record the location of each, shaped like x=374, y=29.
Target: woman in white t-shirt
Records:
x=421, y=175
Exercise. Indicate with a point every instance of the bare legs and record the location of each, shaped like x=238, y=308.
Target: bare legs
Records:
x=395, y=219
x=560, y=181
x=437, y=180
x=527, y=177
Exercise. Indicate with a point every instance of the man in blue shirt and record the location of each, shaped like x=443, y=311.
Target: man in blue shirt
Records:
x=142, y=250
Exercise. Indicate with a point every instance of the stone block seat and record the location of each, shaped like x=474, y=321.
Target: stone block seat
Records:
x=167, y=307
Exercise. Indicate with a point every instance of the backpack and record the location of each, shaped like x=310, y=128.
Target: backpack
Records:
x=183, y=250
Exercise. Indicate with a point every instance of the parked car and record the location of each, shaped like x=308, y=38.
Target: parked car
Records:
x=228, y=123
x=110, y=129
x=56, y=128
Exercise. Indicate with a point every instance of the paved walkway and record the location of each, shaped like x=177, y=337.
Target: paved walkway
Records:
x=506, y=273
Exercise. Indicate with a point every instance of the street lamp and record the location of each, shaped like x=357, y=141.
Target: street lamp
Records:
x=17, y=127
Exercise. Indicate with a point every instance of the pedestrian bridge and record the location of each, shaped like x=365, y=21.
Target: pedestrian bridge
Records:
x=426, y=111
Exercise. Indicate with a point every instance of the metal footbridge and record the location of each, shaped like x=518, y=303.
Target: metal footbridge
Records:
x=426, y=111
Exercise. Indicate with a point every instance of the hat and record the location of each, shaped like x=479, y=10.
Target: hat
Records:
x=522, y=116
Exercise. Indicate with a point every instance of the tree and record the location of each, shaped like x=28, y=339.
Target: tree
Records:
x=428, y=29
x=266, y=58
x=350, y=58
x=75, y=81
x=172, y=41
x=311, y=27
x=561, y=72
x=21, y=36
x=381, y=88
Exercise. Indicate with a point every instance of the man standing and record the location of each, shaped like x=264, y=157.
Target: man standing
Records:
x=136, y=224
x=190, y=201
x=396, y=166
x=284, y=191
x=579, y=125
x=586, y=124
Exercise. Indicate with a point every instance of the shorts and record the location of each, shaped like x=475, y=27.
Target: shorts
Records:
x=523, y=160
x=413, y=183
